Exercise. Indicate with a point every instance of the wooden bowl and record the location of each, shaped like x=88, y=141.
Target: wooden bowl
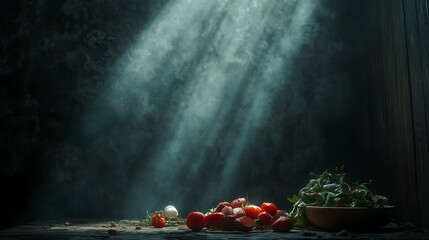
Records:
x=350, y=218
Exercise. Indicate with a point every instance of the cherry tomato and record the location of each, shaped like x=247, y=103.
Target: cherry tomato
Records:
x=239, y=212
x=265, y=218
x=228, y=223
x=252, y=211
x=227, y=211
x=244, y=224
x=158, y=220
x=282, y=224
x=221, y=205
x=278, y=214
x=239, y=202
x=269, y=208
x=212, y=220
x=195, y=221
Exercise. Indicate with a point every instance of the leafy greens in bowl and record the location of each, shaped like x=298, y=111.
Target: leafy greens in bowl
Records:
x=330, y=190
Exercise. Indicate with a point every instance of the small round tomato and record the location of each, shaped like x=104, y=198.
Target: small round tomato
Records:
x=227, y=223
x=269, y=208
x=195, y=221
x=278, y=214
x=239, y=212
x=227, y=211
x=221, y=205
x=212, y=220
x=239, y=202
x=265, y=218
x=158, y=220
x=244, y=224
x=282, y=224
x=252, y=211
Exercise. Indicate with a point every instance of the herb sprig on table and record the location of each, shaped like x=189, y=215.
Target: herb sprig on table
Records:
x=331, y=190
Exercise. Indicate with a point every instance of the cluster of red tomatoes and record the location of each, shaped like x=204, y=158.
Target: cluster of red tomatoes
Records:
x=240, y=215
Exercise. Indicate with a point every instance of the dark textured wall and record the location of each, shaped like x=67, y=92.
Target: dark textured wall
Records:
x=57, y=59
x=396, y=132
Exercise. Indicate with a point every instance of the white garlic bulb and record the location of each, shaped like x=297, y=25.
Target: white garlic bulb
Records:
x=170, y=211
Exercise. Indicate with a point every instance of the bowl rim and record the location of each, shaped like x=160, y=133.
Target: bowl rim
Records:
x=355, y=208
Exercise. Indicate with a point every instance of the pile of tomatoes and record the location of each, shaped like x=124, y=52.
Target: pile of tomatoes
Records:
x=242, y=216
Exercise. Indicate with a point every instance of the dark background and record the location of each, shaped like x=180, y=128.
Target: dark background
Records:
x=358, y=99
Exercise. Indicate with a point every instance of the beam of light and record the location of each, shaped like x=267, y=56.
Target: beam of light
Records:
x=264, y=86
x=222, y=63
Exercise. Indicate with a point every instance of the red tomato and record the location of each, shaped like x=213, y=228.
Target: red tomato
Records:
x=278, y=214
x=269, y=208
x=212, y=220
x=195, y=221
x=239, y=202
x=227, y=223
x=158, y=220
x=252, y=211
x=282, y=224
x=228, y=211
x=239, y=212
x=244, y=224
x=221, y=205
x=265, y=218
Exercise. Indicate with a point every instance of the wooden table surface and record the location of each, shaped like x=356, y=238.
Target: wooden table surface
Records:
x=85, y=229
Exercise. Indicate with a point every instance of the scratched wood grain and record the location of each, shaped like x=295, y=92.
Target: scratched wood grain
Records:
x=398, y=87
x=416, y=26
